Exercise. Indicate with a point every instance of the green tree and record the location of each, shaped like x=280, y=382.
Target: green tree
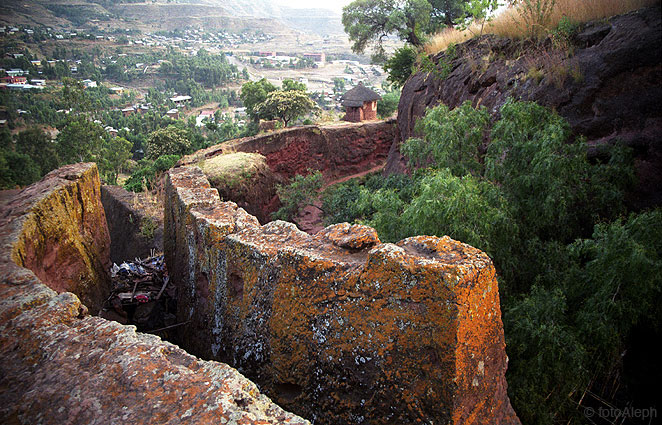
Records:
x=465, y=208
x=368, y=22
x=401, y=65
x=73, y=95
x=17, y=169
x=572, y=330
x=550, y=182
x=302, y=191
x=445, y=13
x=388, y=104
x=80, y=140
x=254, y=93
x=338, y=85
x=480, y=10
x=289, y=85
x=286, y=105
x=149, y=172
x=38, y=146
x=451, y=139
x=168, y=141
x=115, y=155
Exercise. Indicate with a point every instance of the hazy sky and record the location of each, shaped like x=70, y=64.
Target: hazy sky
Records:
x=335, y=5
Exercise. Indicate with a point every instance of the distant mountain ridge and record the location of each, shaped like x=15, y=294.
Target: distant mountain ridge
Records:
x=234, y=15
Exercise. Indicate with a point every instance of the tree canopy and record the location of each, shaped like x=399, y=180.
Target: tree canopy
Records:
x=286, y=105
x=168, y=141
x=369, y=22
x=253, y=93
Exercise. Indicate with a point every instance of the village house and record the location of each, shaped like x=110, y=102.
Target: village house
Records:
x=173, y=113
x=113, y=132
x=319, y=58
x=14, y=79
x=180, y=100
x=128, y=111
x=360, y=104
x=205, y=115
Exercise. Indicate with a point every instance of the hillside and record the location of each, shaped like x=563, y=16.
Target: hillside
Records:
x=233, y=15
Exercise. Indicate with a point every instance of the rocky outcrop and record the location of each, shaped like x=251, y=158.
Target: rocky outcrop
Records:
x=61, y=365
x=337, y=326
x=60, y=233
x=337, y=150
x=134, y=232
x=244, y=178
x=608, y=88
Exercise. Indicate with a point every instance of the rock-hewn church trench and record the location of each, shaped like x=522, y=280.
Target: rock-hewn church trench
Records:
x=335, y=326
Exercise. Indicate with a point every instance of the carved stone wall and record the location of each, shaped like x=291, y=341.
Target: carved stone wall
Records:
x=59, y=364
x=337, y=326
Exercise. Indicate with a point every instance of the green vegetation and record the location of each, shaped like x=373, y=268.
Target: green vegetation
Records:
x=401, y=65
x=254, y=93
x=368, y=22
x=264, y=101
x=575, y=276
x=147, y=227
x=287, y=105
x=388, y=104
x=451, y=139
x=203, y=68
x=149, y=172
x=168, y=141
x=302, y=191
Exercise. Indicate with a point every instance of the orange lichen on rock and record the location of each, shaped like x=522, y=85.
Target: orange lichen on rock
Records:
x=337, y=326
x=61, y=365
x=64, y=239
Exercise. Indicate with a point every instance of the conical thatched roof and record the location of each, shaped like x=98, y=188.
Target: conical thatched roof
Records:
x=358, y=95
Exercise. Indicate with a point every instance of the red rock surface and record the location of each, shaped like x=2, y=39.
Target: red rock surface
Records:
x=63, y=236
x=338, y=151
x=336, y=326
x=60, y=365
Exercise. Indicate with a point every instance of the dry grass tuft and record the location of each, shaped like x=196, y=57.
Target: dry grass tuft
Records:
x=510, y=22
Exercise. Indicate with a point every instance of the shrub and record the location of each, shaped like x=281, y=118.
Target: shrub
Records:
x=302, y=191
x=451, y=139
x=17, y=169
x=168, y=141
x=388, y=104
x=148, y=173
x=401, y=65
x=554, y=189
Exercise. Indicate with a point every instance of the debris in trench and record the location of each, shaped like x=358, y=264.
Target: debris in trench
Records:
x=142, y=295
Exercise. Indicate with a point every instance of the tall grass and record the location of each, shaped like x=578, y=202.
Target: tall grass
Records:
x=511, y=22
